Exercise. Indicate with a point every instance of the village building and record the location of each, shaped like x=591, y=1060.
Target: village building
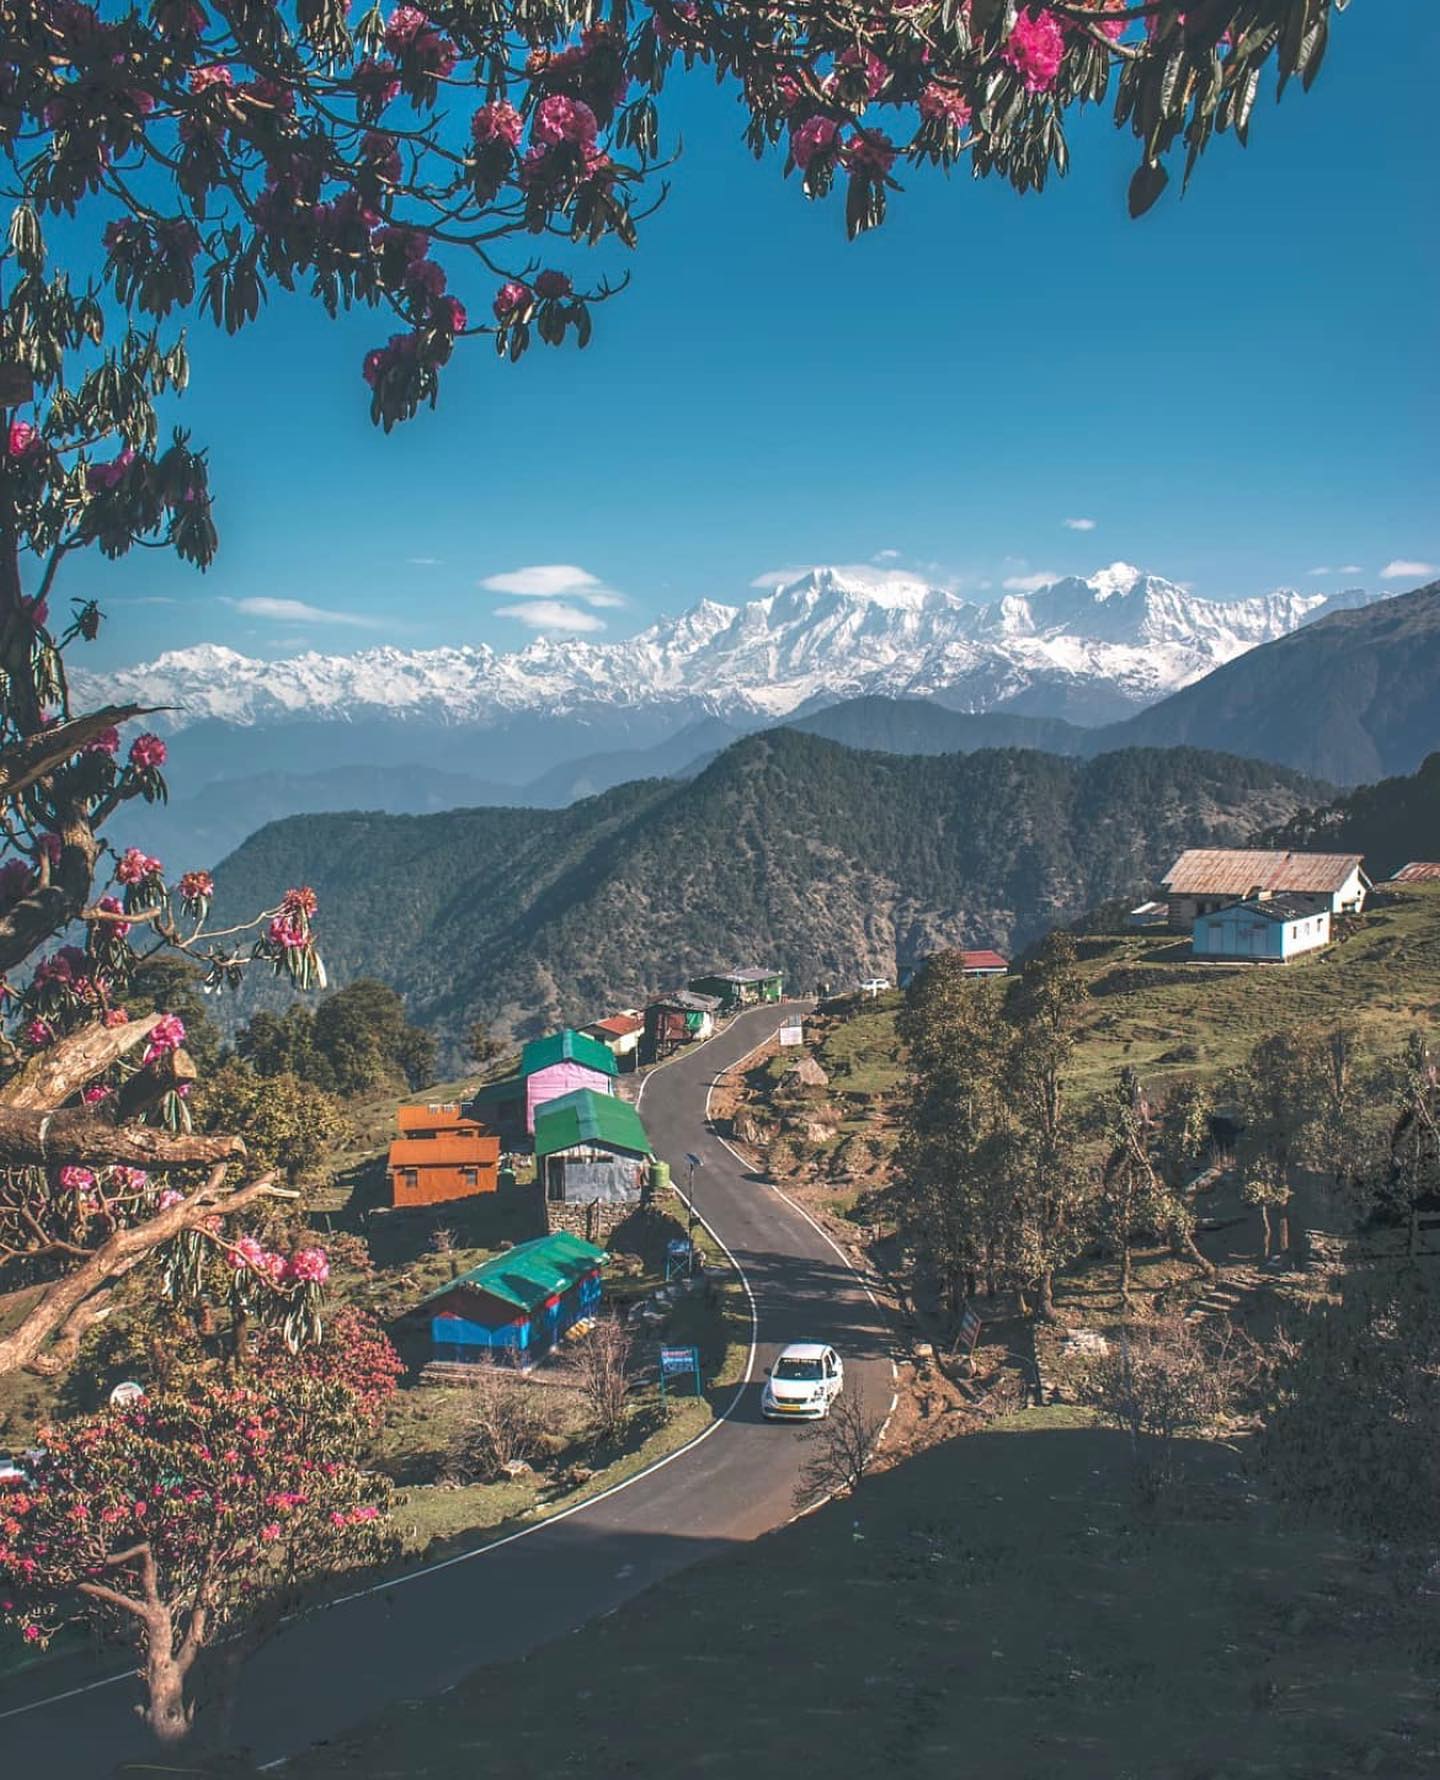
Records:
x=740, y=988
x=593, y=1160
x=1205, y=880
x=1149, y=914
x=441, y=1153
x=1268, y=932
x=518, y=1304
x=979, y=963
x=549, y=1067
x=1418, y=871
x=620, y=1034
x=679, y=1018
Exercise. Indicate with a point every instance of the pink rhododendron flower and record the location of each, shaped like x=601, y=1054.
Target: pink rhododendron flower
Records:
x=876, y=73
x=117, y=1016
x=101, y=478
x=499, y=122
x=425, y=278
x=403, y=26
x=95, y=1093
x=135, y=866
x=22, y=440
x=943, y=103
x=106, y=742
x=166, y=1037
x=111, y=905
x=216, y=75
x=553, y=285
x=196, y=886
x=512, y=299
x=283, y=932
x=868, y=155
x=171, y=1196
x=1035, y=49
x=147, y=751
x=816, y=136
x=246, y=1252
x=269, y=1534
x=76, y=1180
x=16, y=880
x=563, y=119
x=311, y=1266
x=39, y=1033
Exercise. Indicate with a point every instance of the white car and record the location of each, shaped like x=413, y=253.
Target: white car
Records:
x=803, y=1383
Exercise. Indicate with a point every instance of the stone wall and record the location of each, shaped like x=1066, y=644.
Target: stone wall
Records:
x=593, y=1223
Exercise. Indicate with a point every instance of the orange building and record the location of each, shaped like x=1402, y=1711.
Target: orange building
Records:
x=441, y=1154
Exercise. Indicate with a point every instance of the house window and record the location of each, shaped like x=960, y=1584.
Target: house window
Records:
x=472, y=1177
x=408, y=1177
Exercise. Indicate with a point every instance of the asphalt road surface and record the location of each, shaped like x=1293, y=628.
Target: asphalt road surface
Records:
x=422, y=1633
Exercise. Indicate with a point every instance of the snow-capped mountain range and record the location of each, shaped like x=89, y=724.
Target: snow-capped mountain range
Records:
x=1107, y=643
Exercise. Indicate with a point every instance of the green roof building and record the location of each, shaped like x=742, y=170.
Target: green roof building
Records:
x=521, y=1301
x=592, y=1149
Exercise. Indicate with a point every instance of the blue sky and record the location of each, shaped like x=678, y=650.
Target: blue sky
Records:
x=1238, y=390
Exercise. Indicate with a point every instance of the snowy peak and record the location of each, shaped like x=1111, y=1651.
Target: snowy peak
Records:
x=1120, y=638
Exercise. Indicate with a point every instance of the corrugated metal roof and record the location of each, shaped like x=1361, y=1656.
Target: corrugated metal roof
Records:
x=688, y=1001
x=1233, y=871
x=619, y=1025
x=529, y=1273
x=434, y=1118
x=1274, y=908
x=983, y=961
x=444, y=1152
x=1419, y=871
x=568, y=1046
x=587, y=1117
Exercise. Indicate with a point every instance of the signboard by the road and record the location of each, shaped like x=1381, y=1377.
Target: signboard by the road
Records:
x=679, y=1360
x=792, y=1035
x=969, y=1328
x=693, y=1160
x=679, y=1257
x=128, y=1392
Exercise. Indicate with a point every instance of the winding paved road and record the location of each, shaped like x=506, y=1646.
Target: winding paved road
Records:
x=423, y=1632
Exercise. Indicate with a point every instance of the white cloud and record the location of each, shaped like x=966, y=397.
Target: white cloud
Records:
x=552, y=615
x=543, y=580
x=1403, y=569
x=297, y=612
x=423, y=562
x=1028, y=583
x=557, y=585
x=773, y=578
x=1080, y=525
x=886, y=556
x=1349, y=568
x=1322, y=571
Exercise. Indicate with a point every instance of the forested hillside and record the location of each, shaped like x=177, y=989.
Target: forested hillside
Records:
x=1390, y=823
x=788, y=849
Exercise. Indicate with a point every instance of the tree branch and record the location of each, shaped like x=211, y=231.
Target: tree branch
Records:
x=53, y=1075
x=22, y=763
x=62, y=1302
x=30, y=1139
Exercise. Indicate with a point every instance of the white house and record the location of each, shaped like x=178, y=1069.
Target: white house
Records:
x=1269, y=932
x=1205, y=880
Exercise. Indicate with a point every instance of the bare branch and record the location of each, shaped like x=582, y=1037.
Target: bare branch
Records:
x=54, y=1074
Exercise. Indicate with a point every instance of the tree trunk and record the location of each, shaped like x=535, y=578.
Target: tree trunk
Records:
x=1284, y=1247
x=1412, y=1236
x=1126, y=1270
x=1265, y=1230
x=167, y=1714
x=1183, y=1242
x=1045, y=1297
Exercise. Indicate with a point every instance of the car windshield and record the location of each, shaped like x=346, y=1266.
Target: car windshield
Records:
x=798, y=1369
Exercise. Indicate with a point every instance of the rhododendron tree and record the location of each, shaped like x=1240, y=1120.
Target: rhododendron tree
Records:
x=188, y=1520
